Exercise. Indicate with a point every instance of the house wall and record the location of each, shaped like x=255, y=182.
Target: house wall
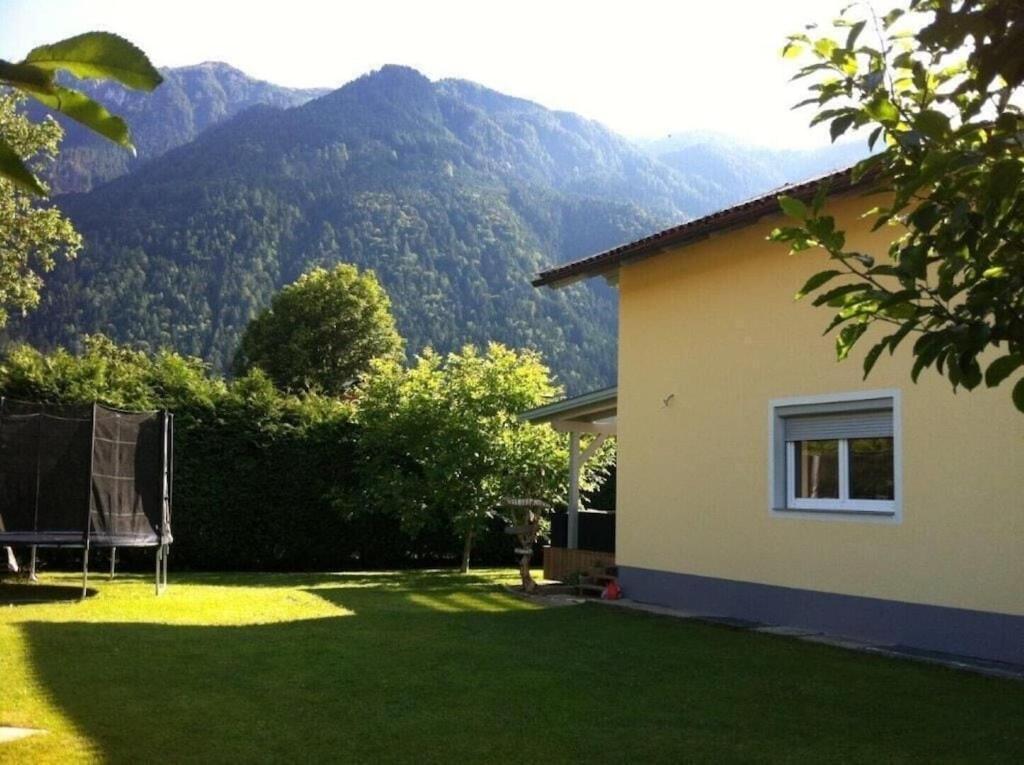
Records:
x=716, y=325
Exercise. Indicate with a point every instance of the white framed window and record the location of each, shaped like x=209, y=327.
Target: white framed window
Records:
x=837, y=454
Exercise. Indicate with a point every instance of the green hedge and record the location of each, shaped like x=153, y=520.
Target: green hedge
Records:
x=263, y=480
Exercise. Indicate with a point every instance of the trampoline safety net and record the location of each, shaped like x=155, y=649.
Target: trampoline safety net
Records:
x=84, y=475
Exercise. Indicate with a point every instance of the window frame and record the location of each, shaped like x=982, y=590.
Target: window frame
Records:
x=782, y=465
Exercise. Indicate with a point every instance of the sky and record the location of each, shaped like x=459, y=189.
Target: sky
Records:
x=644, y=69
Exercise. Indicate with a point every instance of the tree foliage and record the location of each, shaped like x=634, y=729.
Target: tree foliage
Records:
x=322, y=332
x=93, y=55
x=32, y=236
x=944, y=104
x=264, y=480
x=442, y=441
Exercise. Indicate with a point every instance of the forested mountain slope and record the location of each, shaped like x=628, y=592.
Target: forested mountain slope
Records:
x=191, y=99
x=453, y=194
x=456, y=195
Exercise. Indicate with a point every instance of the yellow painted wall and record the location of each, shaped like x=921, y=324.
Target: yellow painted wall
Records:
x=715, y=323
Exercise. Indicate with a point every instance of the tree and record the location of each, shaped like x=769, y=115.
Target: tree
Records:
x=945, y=104
x=322, y=332
x=31, y=236
x=93, y=55
x=442, y=441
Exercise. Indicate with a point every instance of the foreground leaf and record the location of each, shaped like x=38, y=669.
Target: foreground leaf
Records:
x=1002, y=368
x=816, y=281
x=26, y=77
x=92, y=114
x=793, y=207
x=14, y=169
x=98, y=55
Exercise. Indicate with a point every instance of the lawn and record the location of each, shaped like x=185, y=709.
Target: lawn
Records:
x=438, y=667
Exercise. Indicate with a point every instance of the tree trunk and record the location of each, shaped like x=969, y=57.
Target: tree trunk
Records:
x=526, y=542
x=466, y=550
x=529, y=585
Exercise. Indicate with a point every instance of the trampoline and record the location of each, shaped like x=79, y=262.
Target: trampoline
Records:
x=86, y=476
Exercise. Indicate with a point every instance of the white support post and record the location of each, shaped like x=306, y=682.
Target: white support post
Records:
x=573, y=525
x=32, y=566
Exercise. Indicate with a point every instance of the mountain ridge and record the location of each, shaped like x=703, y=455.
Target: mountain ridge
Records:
x=191, y=99
x=455, y=194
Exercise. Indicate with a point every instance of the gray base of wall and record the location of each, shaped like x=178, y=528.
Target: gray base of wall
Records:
x=985, y=635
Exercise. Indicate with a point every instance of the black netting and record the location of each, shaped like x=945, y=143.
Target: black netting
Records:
x=44, y=471
x=71, y=473
x=127, y=476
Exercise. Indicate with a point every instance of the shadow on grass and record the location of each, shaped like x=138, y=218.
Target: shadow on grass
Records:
x=28, y=593
x=447, y=672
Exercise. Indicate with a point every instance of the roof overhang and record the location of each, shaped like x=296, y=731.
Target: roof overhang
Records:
x=593, y=412
x=607, y=263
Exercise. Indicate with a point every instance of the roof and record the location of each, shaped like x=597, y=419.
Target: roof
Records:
x=741, y=214
x=587, y=407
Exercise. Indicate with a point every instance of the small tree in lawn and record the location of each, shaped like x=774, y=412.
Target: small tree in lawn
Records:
x=442, y=441
x=944, y=104
x=532, y=488
x=322, y=332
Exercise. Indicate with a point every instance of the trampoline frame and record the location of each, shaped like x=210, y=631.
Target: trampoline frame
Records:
x=35, y=540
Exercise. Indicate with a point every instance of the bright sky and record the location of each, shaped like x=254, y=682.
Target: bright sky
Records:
x=645, y=69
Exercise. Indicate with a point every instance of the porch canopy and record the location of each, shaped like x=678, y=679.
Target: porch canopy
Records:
x=593, y=413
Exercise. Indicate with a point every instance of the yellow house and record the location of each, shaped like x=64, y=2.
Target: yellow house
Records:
x=760, y=479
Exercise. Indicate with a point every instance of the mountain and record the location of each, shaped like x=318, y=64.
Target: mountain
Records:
x=191, y=99
x=722, y=171
x=456, y=195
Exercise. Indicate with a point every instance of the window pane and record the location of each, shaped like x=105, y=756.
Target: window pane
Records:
x=871, y=468
x=817, y=469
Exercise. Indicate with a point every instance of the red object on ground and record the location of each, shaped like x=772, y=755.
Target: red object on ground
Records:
x=612, y=591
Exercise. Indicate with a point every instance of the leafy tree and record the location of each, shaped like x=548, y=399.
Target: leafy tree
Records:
x=93, y=55
x=31, y=236
x=322, y=332
x=442, y=441
x=268, y=480
x=945, y=103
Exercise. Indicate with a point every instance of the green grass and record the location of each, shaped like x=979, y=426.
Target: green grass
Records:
x=437, y=667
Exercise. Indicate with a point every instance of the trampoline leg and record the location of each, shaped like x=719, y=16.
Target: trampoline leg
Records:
x=32, y=566
x=157, y=580
x=113, y=560
x=166, y=556
x=85, y=571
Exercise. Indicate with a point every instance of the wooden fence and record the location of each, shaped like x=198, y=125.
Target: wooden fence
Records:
x=560, y=563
